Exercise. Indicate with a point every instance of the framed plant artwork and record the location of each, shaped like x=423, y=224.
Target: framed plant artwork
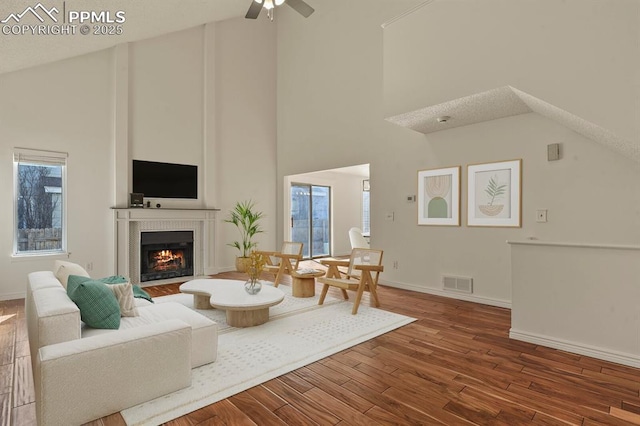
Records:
x=494, y=194
x=439, y=196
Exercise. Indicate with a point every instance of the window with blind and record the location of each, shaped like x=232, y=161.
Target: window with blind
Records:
x=39, y=198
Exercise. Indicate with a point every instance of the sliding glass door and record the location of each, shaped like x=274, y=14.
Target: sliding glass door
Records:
x=310, y=219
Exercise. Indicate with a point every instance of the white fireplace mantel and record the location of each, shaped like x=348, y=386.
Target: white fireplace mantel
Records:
x=130, y=222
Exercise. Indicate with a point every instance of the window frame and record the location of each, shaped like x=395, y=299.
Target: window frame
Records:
x=366, y=231
x=40, y=157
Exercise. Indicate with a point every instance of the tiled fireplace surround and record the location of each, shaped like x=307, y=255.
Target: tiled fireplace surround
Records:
x=130, y=223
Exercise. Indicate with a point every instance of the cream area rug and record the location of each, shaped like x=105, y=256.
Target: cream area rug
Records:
x=298, y=332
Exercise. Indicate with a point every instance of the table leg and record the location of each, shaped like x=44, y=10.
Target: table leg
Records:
x=247, y=318
x=201, y=301
x=303, y=287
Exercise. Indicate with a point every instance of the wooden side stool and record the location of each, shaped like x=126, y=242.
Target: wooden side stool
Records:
x=304, y=284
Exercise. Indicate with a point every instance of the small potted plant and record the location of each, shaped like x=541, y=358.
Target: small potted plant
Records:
x=255, y=266
x=247, y=220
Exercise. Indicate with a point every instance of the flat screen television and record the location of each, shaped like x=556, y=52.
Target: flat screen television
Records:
x=165, y=180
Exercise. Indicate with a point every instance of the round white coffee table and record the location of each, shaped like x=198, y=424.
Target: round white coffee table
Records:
x=243, y=309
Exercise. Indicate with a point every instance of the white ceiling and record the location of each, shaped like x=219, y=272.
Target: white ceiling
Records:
x=144, y=19
x=151, y=18
x=490, y=105
x=361, y=170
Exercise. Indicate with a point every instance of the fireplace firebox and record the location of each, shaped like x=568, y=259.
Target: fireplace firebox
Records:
x=165, y=254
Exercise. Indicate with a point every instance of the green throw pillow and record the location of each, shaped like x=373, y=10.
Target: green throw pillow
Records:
x=98, y=306
x=137, y=290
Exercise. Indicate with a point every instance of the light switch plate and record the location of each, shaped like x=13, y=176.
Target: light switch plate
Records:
x=389, y=216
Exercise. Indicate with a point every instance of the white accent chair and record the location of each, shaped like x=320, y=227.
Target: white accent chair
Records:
x=357, y=239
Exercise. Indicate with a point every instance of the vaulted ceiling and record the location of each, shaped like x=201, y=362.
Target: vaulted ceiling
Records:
x=150, y=18
x=143, y=19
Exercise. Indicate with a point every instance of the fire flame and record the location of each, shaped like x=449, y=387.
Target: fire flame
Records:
x=167, y=260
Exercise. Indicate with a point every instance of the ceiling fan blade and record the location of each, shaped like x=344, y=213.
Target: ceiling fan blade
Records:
x=254, y=9
x=301, y=7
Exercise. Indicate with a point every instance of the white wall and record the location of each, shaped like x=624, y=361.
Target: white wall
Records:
x=340, y=119
x=67, y=107
x=190, y=97
x=578, y=298
x=578, y=55
x=166, y=97
x=574, y=190
x=165, y=105
x=245, y=133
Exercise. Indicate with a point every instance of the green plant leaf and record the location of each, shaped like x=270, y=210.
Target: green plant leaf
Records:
x=493, y=190
x=246, y=220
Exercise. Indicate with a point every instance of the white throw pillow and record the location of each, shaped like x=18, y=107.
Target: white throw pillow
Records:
x=124, y=294
x=62, y=270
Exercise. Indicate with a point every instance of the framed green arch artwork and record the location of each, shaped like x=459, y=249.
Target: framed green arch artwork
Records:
x=439, y=196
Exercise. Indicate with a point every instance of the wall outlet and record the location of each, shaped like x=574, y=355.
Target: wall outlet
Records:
x=541, y=216
x=89, y=267
x=389, y=216
x=395, y=264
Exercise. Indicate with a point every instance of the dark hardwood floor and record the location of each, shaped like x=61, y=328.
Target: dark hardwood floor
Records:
x=455, y=365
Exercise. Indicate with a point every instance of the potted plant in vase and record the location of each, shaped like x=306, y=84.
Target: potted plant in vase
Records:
x=247, y=220
x=255, y=266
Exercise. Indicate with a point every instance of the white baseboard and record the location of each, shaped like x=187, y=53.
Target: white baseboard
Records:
x=211, y=271
x=12, y=296
x=577, y=348
x=452, y=295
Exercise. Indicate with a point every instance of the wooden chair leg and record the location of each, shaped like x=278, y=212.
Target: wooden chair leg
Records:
x=276, y=281
x=371, y=286
x=374, y=294
x=323, y=294
x=284, y=269
x=344, y=294
x=356, y=302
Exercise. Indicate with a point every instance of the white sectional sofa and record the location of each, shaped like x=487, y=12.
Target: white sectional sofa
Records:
x=81, y=374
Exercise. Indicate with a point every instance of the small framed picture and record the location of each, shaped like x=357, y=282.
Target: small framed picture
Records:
x=136, y=200
x=439, y=196
x=494, y=194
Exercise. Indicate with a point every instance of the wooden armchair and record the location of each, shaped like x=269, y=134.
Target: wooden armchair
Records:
x=364, y=267
x=282, y=262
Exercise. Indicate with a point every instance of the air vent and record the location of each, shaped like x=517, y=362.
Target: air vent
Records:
x=462, y=284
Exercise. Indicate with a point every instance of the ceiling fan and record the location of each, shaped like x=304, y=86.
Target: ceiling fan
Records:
x=257, y=5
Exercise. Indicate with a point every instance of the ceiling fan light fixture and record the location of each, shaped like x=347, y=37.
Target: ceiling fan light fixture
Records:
x=299, y=6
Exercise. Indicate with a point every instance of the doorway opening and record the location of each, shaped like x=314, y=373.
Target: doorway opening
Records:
x=341, y=203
